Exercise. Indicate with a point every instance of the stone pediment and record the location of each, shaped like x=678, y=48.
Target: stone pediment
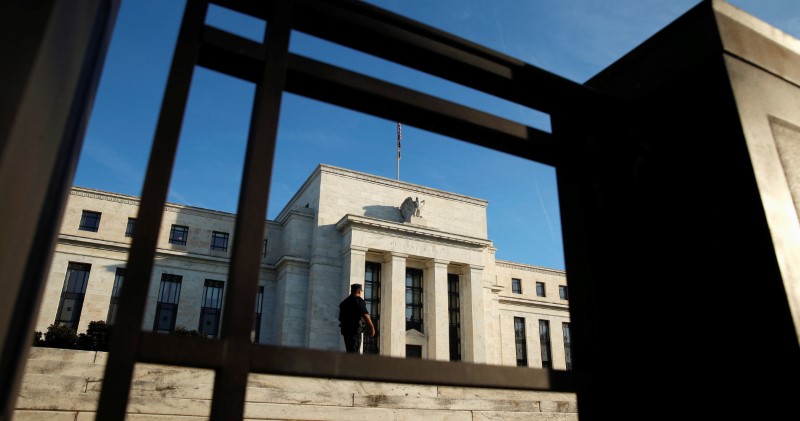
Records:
x=356, y=222
x=414, y=333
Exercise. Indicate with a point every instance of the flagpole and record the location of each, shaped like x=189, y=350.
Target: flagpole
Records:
x=399, y=138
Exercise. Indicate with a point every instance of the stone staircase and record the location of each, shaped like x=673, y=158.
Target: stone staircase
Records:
x=65, y=385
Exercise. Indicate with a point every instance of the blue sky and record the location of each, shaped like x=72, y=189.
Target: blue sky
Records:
x=572, y=38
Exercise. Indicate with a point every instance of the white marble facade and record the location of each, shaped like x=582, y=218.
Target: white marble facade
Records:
x=339, y=222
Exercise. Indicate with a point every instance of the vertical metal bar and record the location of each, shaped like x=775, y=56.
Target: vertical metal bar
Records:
x=75, y=39
x=128, y=325
x=237, y=322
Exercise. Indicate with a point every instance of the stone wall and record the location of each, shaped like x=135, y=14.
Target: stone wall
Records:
x=65, y=385
x=345, y=191
x=532, y=308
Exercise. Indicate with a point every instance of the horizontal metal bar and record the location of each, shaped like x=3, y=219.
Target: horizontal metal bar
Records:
x=240, y=57
x=187, y=351
x=384, y=34
x=231, y=54
x=342, y=87
x=184, y=351
x=263, y=10
x=256, y=9
x=269, y=359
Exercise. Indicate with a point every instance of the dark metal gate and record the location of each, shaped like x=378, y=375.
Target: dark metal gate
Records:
x=655, y=191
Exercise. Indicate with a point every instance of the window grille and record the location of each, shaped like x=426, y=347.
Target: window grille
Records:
x=540, y=292
x=520, y=341
x=130, y=227
x=211, y=308
x=219, y=241
x=414, y=315
x=167, y=306
x=257, y=320
x=454, y=316
x=372, y=298
x=179, y=234
x=119, y=277
x=544, y=343
x=90, y=221
x=567, y=344
x=71, y=303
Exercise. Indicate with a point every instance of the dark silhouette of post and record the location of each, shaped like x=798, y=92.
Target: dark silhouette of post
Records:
x=681, y=234
x=52, y=55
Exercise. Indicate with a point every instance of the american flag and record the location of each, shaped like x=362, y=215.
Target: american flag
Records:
x=399, y=137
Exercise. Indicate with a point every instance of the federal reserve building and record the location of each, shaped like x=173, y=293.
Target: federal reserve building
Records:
x=431, y=281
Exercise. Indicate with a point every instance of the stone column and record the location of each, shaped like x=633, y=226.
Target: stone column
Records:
x=292, y=304
x=495, y=344
x=269, y=312
x=354, y=261
x=557, y=352
x=435, y=313
x=393, y=306
x=474, y=326
x=353, y=265
x=324, y=294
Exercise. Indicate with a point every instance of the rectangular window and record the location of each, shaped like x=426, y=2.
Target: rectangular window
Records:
x=372, y=296
x=112, y=306
x=562, y=292
x=257, y=319
x=516, y=286
x=265, y=248
x=544, y=340
x=131, y=226
x=179, y=234
x=71, y=303
x=414, y=299
x=90, y=221
x=520, y=342
x=567, y=345
x=211, y=308
x=167, y=307
x=219, y=241
x=413, y=351
x=540, y=289
x=454, y=313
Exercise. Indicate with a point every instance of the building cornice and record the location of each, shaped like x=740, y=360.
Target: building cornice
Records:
x=104, y=195
x=120, y=247
x=294, y=213
x=173, y=207
x=530, y=268
x=759, y=26
x=402, y=185
x=135, y=201
x=291, y=260
x=533, y=303
x=289, y=206
x=393, y=228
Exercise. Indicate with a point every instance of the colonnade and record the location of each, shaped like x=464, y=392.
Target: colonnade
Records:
x=392, y=341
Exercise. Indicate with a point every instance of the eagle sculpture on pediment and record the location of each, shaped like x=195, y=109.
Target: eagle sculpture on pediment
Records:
x=411, y=207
